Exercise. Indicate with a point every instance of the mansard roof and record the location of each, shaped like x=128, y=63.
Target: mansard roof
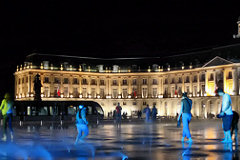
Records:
x=217, y=61
x=199, y=58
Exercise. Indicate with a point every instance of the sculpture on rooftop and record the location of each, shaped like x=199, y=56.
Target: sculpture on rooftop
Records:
x=37, y=88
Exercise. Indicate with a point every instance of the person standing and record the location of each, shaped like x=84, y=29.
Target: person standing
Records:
x=154, y=113
x=6, y=108
x=226, y=114
x=185, y=112
x=234, y=127
x=147, y=112
x=81, y=124
x=118, y=114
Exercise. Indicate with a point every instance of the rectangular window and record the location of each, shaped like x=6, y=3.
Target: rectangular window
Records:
x=124, y=82
x=115, y=94
x=84, y=92
x=57, y=80
x=101, y=82
x=75, y=92
x=114, y=82
x=102, y=93
x=124, y=94
x=93, y=93
x=46, y=80
x=46, y=92
x=195, y=91
x=75, y=81
x=84, y=81
x=154, y=81
x=65, y=91
x=93, y=82
x=144, y=81
x=154, y=92
x=134, y=82
x=65, y=81
x=144, y=92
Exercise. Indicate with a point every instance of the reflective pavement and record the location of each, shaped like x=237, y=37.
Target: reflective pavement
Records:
x=137, y=141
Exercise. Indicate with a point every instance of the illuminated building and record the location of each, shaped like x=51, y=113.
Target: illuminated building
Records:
x=135, y=82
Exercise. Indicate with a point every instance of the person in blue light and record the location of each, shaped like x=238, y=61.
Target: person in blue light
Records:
x=6, y=108
x=147, y=112
x=185, y=112
x=226, y=114
x=81, y=124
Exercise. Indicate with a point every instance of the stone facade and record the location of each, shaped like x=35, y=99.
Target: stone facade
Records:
x=134, y=89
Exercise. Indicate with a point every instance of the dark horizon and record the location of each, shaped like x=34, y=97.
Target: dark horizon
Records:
x=117, y=29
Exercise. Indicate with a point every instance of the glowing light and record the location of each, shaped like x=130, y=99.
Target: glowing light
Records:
x=89, y=96
x=42, y=95
x=80, y=96
x=119, y=96
x=61, y=95
x=98, y=96
x=129, y=96
x=71, y=96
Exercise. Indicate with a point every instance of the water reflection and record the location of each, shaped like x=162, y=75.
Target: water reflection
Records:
x=187, y=152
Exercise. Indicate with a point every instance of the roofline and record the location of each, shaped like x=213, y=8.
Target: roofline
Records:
x=94, y=58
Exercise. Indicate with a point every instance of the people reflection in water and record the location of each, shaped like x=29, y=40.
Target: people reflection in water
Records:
x=81, y=124
x=186, y=154
x=185, y=112
x=226, y=114
x=6, y=108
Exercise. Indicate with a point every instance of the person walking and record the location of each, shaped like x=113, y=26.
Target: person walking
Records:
x=6, y=108
x=226, y=114
x=185, y=112
x=118, y=114
x=81, y=124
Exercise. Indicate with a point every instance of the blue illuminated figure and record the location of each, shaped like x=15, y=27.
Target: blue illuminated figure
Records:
x=6, y=108
x=147, y=112
x=226, y=114
x=81, y=124
x=185, y=112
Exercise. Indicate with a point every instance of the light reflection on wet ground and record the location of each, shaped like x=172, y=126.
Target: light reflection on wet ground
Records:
x=136, y=140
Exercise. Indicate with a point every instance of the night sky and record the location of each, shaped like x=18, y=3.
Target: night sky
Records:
x=111, y=29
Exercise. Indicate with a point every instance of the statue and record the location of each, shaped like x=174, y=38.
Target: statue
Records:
x=37, y=88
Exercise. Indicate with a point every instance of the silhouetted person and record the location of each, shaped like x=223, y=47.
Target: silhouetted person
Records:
x=118, y=114
x=234, y=128
x=6, y=108
x=154, y=113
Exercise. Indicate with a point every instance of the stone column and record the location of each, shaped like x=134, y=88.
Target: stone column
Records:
x=198, y=84
x=130, y=86
x=191, y=84
x=183, y=83
x=149, y=87
x=80, y=85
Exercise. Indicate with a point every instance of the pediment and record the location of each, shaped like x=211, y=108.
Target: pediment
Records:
x=217, y=61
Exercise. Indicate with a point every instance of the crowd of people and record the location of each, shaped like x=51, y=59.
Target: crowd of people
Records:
x=229, y=117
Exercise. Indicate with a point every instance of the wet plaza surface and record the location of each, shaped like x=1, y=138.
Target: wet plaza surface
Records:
x=135, y=140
